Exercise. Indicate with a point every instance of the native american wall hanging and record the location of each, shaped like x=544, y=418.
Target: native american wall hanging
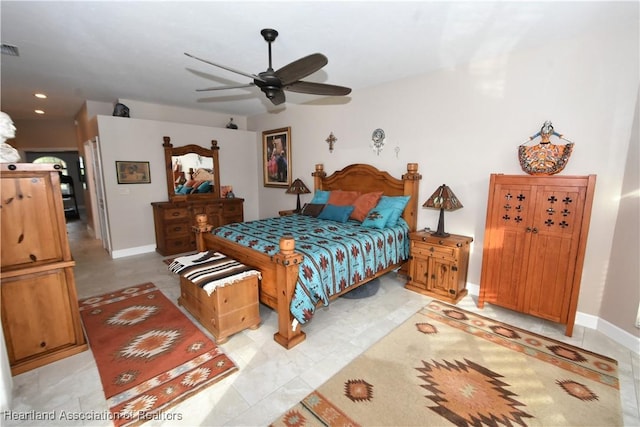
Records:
x=544, y=158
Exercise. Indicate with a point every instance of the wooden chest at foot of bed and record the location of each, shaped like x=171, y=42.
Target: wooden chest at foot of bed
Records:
x=228, y=310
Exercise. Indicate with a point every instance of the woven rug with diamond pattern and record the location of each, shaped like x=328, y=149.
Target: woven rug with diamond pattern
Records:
x=448, y=366
x=149, y=355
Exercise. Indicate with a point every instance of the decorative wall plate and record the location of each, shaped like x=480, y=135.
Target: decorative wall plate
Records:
x=377, y=140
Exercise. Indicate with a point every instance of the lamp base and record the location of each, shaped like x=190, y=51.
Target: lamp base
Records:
x=440, y=232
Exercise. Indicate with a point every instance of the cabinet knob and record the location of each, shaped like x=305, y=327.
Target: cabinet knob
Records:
x=424, y=239
x=431, y=249
x=43, y=344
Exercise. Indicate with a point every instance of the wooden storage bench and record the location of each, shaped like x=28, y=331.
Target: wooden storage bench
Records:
x=232, y=306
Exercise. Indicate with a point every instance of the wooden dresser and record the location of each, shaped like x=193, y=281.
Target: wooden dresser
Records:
x=534, y=244
x=173, y=221
x=39, y=304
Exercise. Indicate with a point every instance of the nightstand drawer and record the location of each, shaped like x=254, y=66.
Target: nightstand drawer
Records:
x=432, y=250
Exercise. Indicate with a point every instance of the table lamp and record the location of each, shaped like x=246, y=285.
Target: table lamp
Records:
x=443, y=199
x=298, y=187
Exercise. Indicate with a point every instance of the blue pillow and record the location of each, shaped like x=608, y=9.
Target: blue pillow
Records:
x=205, y=187
x=397, y=203
x=320, y=197
x=377, y=218
x=184, y=190
x=336, y=213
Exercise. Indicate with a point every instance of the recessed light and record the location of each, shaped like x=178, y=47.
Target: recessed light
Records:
x=39, y=111
x=40, y=95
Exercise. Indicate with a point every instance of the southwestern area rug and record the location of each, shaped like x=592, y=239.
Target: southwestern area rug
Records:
x=149, y=355
x=447, y=366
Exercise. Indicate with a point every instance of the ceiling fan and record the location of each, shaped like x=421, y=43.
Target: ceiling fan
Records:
x=274, y=83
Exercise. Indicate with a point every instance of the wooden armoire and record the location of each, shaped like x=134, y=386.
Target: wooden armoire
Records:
x=534, y=244
x=39, y=304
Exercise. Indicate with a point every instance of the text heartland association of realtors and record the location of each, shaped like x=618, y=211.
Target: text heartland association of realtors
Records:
x=86, y=416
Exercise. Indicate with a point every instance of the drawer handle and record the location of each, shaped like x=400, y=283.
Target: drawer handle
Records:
x=424, y=239
x=175, y=214
x=431, y=249
x=43, y=344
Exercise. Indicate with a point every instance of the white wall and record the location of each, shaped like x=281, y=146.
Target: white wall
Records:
x=464, y=123
x=129, y=205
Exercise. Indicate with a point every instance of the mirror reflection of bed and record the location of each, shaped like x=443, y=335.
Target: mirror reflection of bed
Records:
x=193, y=174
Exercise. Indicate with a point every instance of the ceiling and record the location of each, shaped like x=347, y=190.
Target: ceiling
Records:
x=110, y=50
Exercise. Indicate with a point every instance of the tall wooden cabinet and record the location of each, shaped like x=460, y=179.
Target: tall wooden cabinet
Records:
x=40, y=317
x=534, y=244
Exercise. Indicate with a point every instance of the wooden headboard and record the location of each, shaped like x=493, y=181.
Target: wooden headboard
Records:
x=367, y=178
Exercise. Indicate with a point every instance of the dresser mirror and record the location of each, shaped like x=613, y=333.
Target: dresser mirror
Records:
x=192, y=171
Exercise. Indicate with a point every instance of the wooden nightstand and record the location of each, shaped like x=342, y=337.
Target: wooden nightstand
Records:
x=438, y=265
x=287, y=212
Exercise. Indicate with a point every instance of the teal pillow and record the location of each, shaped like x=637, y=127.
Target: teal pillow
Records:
x=377, y=218
x=336, y=213
x=397, y=203
x=320, y=197
x=205, y=187
x=184, y=190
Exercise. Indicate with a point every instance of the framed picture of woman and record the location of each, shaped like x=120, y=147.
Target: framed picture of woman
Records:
x=276, y=157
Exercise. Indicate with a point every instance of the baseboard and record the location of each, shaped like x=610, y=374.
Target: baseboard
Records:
x=133, y=251
x=590, y=321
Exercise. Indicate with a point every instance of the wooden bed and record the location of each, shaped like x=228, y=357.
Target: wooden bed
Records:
x=280, y=271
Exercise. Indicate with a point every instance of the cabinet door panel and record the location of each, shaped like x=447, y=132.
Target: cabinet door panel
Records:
x=420, y=271
x=31, y=224
x=36, y=313
x=443, y=277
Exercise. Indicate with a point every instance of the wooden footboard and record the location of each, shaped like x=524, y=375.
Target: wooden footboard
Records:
x=280, y=271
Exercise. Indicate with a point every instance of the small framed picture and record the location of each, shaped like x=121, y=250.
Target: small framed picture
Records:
x=133, y=172
x=276, y=155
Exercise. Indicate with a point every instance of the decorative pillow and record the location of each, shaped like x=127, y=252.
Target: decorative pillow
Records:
x=377, y=218
x=312, y=209
x=397, y=203
x=363, y=204
x=342, y=198
x=205, y=187
x=336, y=213
x=320, y=197
x=185, y=189
x=190, y=183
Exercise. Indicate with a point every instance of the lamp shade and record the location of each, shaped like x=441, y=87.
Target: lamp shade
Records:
x=443, y=199
x=298, y=187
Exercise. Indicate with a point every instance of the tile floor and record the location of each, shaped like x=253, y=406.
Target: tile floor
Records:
x=271, y=379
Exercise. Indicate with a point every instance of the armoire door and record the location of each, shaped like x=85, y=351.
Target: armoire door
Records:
x=535, y=239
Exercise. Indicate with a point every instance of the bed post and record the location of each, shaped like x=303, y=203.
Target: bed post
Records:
x=287, y=265
x=201, y=228
x=411, y=181
x=318, y=176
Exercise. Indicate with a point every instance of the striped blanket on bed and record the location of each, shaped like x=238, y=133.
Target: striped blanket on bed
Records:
x=208, y=270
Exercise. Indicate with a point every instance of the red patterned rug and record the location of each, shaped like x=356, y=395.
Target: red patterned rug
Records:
x=448, y=366
x=149, y=355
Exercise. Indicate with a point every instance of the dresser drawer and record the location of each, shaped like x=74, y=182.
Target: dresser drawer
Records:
x=175, y=213
x=232, y=209
x=180, y=244
x=177, y=229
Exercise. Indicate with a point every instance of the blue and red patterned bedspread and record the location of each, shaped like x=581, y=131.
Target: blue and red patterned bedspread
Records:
x=336, y=255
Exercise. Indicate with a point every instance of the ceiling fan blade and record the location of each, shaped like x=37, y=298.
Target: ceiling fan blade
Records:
x=317, y=88
x=251, y=76
x=301, y=68
x=226, y=87
x=278, y=98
